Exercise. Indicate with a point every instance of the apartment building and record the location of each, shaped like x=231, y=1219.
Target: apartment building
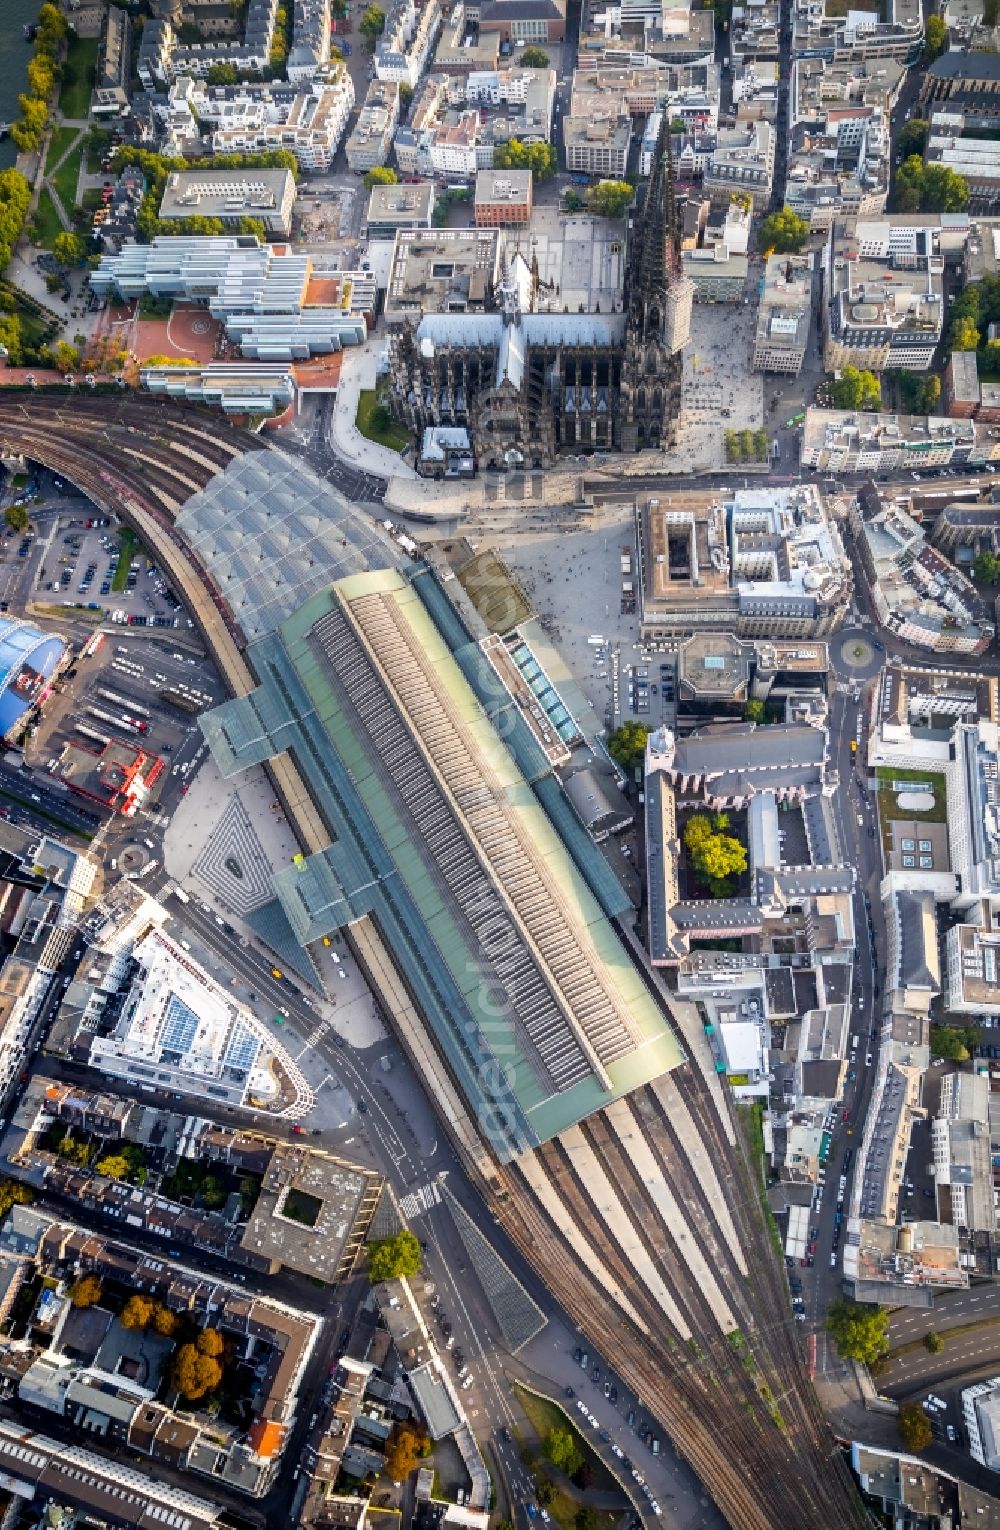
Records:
x=456, y=122
x=371, y=137
x=839, y=165
x=310, y=123
x=845, y=441
x=110, y=96
x=783, y=315
x=754, y=33
x=917, y=593
x=163, y=58
x=664, y=31
x=310, y=50
x=404, y=49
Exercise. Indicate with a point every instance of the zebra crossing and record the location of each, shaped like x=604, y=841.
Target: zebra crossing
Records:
x=416, y=1202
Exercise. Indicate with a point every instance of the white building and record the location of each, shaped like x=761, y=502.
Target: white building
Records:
x=981, y=1416
x=177, y=1029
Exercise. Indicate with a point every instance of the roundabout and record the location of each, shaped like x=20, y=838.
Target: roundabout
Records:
x=856, y=656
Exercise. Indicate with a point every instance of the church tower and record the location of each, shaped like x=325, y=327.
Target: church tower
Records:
x=658, y=299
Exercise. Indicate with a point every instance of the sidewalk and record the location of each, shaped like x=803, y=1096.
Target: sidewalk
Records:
x=357, y=372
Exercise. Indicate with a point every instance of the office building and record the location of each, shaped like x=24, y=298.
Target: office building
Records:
x=783, y=315
x=503, y=198
x=230, y=195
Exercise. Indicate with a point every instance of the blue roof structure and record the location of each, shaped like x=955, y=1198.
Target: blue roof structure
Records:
x=28, y=658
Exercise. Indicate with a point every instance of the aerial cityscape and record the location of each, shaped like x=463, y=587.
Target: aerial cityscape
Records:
x=500, y=770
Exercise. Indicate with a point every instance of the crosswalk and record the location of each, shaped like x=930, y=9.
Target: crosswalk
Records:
x=424, y=1198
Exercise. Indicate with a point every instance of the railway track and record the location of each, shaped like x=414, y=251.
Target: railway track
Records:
x=742, y=1412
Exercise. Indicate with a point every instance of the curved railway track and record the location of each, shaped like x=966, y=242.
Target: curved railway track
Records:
x=741, y=1410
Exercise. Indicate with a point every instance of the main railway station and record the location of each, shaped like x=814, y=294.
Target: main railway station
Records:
x=619, y=1169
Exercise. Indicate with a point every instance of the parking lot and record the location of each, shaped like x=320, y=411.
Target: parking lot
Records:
x=91, y=562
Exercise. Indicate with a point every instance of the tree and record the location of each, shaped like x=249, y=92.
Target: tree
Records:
x=784, y=232
x=964, y=334
x=194, y=1374
x=855, y=389
x=65, y=356
x=16, y=516
x=372, y=25
x=137, y=1311
x=954, y=1042
x=912, y=137
x=380, y=175
x=534, y=58
x=585, y=1519
x=403, y=1451
x=86, y=1291
x=255, y=226
x=610, y=199
x=13, y=1194
x=754, y=710
x=930, y=393
x=114, y=1166
x=627, y=745
x=41, y=74
x=69, y=248
x=715, y=855
x=405, y=96
x=389, y=1258
x=933, y=1343
x=544, y=1491
x=860, y=1331
x=209, y=1342
x=986, y=568
x=935, y=38
x=913, y=1424
x=539, y=158
x=929, y=188
x=222, y=74
x=164, y=1321
x=561, y=1449
x=761, y=445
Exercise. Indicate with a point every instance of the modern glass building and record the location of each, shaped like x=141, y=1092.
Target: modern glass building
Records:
x=28, y=660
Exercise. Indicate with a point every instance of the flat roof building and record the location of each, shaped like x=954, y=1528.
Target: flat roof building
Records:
x=761, y=563
x=174, y=1027
x=448, y=270
x=783, y=316
x=503, y=197
x=230, y=195
x=391, y=208
x=371, y=137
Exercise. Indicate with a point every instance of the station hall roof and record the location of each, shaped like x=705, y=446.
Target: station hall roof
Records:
x=491, y=896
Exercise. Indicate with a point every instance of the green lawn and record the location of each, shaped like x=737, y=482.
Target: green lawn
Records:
x=126, y=552
x=78, y=76
x=888, y=807
x=66, y=177
x=544, y=1415
x=60, y=141
x=392, y=436
x=46, y=223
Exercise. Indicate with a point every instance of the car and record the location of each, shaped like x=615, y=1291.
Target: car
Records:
x=607, y=1390
x=362, y=1107
x=568, y=1392
x=833, y=1260
x=869, y=1059
x=951, y=1433
x=297, y=1130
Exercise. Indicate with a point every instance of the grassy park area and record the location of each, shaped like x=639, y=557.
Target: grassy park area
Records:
x=78, y=76
x=374, y=424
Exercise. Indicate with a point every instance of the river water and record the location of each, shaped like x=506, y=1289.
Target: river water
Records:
x=14, y=55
